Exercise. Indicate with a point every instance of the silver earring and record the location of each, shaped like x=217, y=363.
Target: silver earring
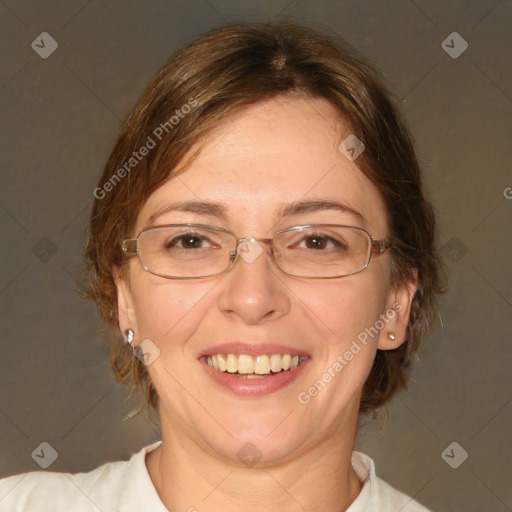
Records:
x=129, y=334
x=391, y=336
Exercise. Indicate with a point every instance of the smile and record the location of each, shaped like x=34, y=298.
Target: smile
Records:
x=260, y=366
x=251, y=376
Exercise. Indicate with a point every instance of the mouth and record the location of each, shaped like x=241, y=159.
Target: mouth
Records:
x=260, y=366
x=251, y=369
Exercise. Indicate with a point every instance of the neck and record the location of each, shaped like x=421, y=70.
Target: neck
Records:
x=188, y=477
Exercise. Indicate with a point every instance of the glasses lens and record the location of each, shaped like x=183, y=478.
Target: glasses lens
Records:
x=185, y=251
x=322, y=251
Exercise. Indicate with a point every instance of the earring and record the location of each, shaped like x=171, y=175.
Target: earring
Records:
x=391, y=336
x=129, y=336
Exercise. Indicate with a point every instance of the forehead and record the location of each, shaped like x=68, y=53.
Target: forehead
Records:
x=272, y=154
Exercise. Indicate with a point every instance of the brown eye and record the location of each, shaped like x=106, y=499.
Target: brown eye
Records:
x=186, y=241
x=322, y=242
x=316, y=242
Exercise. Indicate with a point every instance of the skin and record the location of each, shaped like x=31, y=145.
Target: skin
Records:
x=274, y=153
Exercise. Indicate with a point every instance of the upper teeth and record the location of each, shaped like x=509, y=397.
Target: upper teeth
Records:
x=261, y=365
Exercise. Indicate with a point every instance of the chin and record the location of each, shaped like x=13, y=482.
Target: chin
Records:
x=249, y=449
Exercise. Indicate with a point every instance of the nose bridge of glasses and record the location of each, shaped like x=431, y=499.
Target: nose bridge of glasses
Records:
x=254, y=240
x=249, y=248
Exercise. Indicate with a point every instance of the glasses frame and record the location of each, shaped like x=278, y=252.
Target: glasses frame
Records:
x=130, y=247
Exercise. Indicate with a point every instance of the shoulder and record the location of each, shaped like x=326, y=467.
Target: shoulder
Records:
x=40, y=491
x=101, y=489
x=390, y=498
x=377, y=495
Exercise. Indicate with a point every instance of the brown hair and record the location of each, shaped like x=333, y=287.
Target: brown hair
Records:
x=210, y=81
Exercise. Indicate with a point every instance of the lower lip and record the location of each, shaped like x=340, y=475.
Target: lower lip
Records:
x=257, y=386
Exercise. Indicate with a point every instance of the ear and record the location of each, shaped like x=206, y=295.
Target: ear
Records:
x=125, y=307
x=397, y=313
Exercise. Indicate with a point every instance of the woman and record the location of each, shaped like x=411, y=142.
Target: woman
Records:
x=261, y=239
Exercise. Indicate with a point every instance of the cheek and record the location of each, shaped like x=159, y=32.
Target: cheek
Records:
x=165, y=308
x=347, y=311
x=348, y=306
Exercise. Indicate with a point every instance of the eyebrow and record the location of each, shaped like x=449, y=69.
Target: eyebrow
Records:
x=295, y=208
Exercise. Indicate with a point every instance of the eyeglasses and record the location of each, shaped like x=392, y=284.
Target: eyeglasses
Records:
x=312, y=251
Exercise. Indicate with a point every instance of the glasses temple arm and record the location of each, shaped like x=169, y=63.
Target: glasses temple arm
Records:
x=380, y=246
x=130, y=246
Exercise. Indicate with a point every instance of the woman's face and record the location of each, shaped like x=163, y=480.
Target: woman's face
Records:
x=276, y=153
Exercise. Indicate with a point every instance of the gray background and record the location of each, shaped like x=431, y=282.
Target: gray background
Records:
x=60, y=117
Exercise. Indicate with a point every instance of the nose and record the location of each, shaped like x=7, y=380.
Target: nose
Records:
x=253, y=290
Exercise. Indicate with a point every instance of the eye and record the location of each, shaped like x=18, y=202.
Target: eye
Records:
x=316, y=242
x=321, y=242
x=188, y=241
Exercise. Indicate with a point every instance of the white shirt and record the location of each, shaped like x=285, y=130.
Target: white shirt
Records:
x=125, y=486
